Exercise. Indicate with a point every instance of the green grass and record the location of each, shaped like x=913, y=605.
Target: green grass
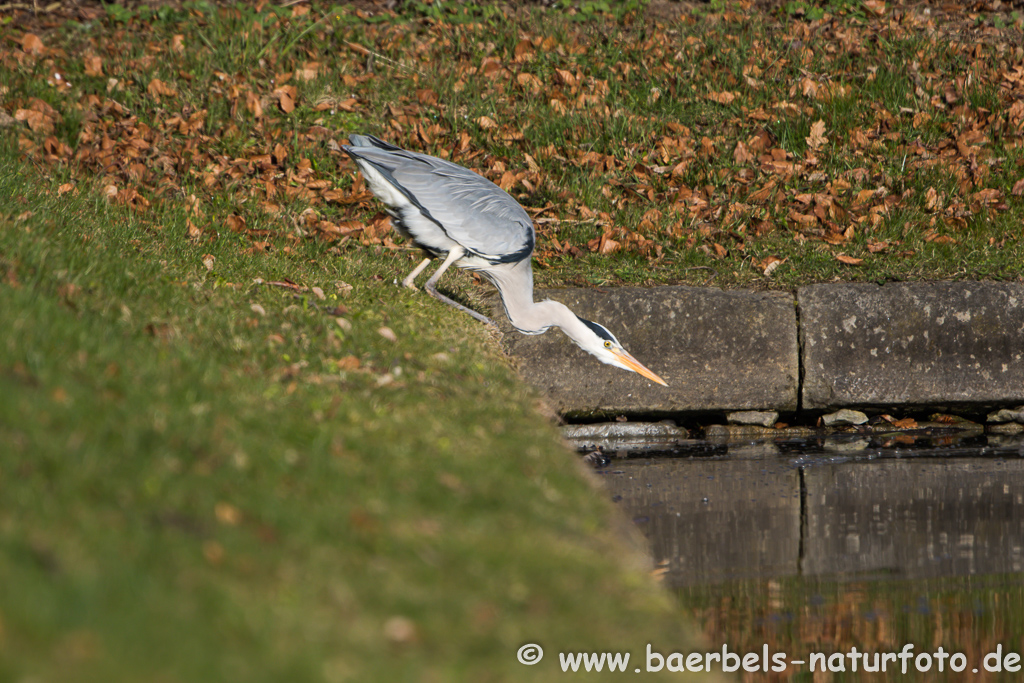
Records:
x=196, y=490
x=898, y=86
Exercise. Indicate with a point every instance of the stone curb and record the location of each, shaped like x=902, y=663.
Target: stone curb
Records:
x=945, y=345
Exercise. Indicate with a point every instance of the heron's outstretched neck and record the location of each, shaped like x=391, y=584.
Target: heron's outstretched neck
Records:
x=515, y=285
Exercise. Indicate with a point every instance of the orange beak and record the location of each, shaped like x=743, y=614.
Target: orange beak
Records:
x=637, y=367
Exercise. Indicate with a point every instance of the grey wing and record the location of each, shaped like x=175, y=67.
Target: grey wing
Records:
x=470, y=209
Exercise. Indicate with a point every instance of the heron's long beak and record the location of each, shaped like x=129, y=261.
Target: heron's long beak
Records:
x=636, y=366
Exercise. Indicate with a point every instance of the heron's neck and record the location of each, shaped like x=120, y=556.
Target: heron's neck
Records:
x=515, y=285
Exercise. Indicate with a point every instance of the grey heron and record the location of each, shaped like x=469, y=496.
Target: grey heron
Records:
x=448, y=210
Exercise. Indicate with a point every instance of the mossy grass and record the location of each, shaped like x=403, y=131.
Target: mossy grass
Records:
x=207, y=478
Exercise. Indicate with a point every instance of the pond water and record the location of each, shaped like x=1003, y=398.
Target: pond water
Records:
x=823, y=545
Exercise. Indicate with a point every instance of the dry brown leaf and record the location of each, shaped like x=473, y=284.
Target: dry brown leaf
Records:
x=32, y=44
x=37, y=121
x=235, y=223
x=565, y=78
x=761, y=196
x=849, y=260
x=741, y=155
x=724, y=97
x=308, y=71
x=286, y=98
x=253, y=104
x=487, y=123
x=158, y=89
x=987, y=197
x=523, y=51
x=348, y=363
x=876, y=6
x=769, y=264
x=1018, y=188
x=93, y=65
x=608, y=245
x=817, y=137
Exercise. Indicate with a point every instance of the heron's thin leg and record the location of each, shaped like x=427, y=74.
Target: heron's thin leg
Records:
x=453, y=256
x=410, y=279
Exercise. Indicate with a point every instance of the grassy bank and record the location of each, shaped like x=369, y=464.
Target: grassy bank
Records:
x=214, y=480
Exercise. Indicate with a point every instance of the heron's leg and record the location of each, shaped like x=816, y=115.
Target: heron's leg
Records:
x=453, y=256
x=410, y=279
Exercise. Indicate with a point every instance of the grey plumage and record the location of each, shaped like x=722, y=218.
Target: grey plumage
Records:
x=470, y=209
x=449, y=211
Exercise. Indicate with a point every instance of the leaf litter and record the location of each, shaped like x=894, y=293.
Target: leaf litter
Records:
x=872, y=135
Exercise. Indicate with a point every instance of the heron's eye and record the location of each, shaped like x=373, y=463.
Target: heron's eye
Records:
x=607, y=345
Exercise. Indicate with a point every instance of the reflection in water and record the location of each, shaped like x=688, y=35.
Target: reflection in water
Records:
x=814, y=551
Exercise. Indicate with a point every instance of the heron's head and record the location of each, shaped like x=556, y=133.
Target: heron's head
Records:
x=601, y=343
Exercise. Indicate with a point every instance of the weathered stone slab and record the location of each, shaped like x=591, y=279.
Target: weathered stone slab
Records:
x=911, y=518
x=717, y=350
x=912, y=344
x=713, y=520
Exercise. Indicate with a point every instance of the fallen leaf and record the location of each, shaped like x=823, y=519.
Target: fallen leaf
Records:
x=227, y=514
x=388, y=334
x=158, y=89
x=849, y=260
x=876, y=6
x=724, y=97
x=32, y=44
x=487, y=123
x=348, y=363
x=286, y=96
x=741, y=155
x=93, y=65
x=817, y=137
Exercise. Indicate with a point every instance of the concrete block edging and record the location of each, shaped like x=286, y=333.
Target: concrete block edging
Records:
x=914, y=345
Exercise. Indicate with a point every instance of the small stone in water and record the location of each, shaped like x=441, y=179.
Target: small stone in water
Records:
x=764, y=418
x=844, y=417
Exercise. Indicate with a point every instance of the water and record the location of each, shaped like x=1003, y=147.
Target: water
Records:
x=821, y=545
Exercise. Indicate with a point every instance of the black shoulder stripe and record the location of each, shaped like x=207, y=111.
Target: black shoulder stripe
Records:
x=516, y=256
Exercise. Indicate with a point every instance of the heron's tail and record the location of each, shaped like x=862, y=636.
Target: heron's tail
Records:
x=370, y=141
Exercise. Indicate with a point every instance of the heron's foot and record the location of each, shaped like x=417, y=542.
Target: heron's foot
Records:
x=409, y=281
x=432, y=291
